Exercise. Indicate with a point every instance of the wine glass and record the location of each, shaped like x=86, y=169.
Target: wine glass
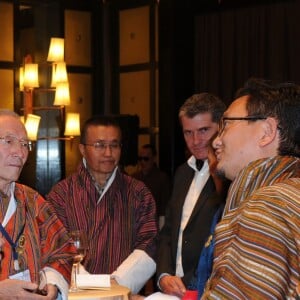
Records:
x=80, y=242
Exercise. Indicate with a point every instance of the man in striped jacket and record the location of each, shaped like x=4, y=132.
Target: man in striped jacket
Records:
x=257, y=246
x=116, y=211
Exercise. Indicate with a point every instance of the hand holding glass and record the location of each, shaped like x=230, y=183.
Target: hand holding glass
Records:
x=80, y=242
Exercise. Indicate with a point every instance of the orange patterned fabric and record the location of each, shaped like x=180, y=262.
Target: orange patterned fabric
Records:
x=44, y=241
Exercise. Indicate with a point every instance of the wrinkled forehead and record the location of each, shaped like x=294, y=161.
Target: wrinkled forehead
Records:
x=10, y=125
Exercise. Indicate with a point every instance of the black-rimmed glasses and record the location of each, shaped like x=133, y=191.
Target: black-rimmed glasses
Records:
x=223, y=123
x=101, y=146
x=10, y=141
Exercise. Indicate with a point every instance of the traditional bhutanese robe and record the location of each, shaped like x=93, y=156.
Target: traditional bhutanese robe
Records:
x=257, y=252
x=122, y=221
x=44, y=241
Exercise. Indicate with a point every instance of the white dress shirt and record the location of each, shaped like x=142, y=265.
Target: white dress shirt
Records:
x=199, y=181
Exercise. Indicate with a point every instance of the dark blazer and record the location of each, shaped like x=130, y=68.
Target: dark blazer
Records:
x=196, y=230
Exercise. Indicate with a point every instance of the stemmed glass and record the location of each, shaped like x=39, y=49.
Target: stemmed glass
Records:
x=80, y=242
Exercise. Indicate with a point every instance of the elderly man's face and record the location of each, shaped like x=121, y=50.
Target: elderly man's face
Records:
x=13, y=150
x=239, y=142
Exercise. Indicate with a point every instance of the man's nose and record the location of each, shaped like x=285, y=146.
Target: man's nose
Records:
x=108, y=150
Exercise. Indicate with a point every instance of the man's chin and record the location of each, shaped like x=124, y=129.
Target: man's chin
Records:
x=220, y=172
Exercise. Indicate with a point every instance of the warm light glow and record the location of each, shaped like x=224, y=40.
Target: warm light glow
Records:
x=56, y=50
x=21, y=79
x=72, y=124
x=59, y=73
x=32, y=126
x=62, y=94
x=31, y=78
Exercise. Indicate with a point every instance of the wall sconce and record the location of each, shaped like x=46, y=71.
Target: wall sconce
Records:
x=32, y=126
x=56, y=50
x=29, y=82
x=72, y=124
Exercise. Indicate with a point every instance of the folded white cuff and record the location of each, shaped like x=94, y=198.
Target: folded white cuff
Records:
x=135, y=270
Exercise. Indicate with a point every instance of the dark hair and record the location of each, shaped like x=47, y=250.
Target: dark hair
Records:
x=151, y=147
x=280, y=101
x=203, y=103
x=99, y=120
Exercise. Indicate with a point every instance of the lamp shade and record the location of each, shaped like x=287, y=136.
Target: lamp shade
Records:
x=62, y=94
x=59, y=73
x=72, y=127
x=32, y=125
x=56, y=50
x=31, y=77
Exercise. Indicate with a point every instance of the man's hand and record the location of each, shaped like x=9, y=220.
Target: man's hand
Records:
x=20, y=289
x=16, y=289
x=172, y=285
x=52, y=292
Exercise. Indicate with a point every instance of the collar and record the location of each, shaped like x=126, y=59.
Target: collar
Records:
x=11, y=206
x=260, y=173
x=109, y=181
x=192, y=163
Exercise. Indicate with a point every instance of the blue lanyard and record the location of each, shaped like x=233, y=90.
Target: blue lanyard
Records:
x=13, y=244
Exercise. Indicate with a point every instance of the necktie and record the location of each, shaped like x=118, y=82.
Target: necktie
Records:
x=199, y=164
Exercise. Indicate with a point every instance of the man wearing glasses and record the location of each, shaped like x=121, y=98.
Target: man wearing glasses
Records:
x=32, y=238
x=257, y=242
x=116, y=211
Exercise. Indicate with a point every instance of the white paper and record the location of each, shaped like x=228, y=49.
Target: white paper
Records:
x=93, y=281
x=161, y=296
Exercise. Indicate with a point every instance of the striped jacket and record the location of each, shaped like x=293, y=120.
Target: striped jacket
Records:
x=122, y=221
x=43, y=240
x=257, y=252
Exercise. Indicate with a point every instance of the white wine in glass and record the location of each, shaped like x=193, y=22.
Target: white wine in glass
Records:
x=80, y=242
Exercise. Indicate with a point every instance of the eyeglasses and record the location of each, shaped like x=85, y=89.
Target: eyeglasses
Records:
x=144, y=158
x=11, y=141
x=223, y=122
x=101, y=146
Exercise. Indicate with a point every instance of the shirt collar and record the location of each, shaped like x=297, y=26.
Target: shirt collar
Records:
x=192, y=163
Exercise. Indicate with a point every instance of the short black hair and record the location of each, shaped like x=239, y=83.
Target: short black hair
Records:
x=278, y=100
x=99, y=120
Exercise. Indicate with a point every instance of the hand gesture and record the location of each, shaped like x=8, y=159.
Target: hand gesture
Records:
x=172, y=285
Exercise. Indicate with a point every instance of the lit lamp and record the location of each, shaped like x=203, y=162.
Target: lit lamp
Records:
x=59, y=73
x=72, y=125
x=62, y=94
x=32, y=125
x=56, y=50
x=28, y=80
x=30, y=77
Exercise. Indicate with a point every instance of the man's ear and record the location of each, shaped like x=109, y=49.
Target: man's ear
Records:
x=81, y=149
x=270, y=131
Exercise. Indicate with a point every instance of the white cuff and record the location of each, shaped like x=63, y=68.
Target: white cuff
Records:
x=55, y=278
x=135, y=270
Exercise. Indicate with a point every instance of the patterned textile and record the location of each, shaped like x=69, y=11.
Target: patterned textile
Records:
x=45, y=242
x=257, y=248
x=122, y=221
